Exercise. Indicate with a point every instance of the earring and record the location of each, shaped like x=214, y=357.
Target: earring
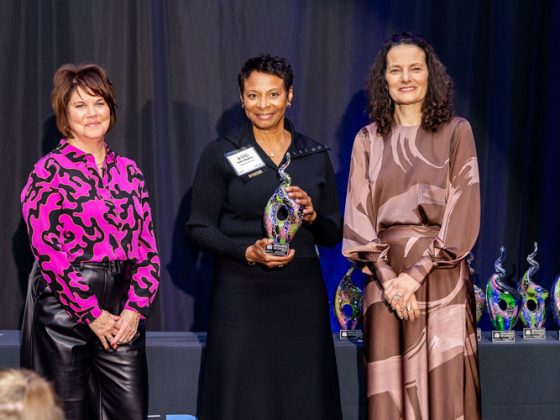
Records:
x=289, y=104
x=242, y=105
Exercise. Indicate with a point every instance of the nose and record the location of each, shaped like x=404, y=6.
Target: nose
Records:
x=405, y=76
x=263, y=102
x=91, y=110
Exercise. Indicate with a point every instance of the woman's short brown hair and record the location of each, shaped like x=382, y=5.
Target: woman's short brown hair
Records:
x=91, y=78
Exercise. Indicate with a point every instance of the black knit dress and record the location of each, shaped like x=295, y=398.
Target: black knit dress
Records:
x=269, y=352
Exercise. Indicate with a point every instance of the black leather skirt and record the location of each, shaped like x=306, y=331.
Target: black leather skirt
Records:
x=91, y=382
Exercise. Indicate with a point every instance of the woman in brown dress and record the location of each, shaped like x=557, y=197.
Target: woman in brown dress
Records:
x=412, y=215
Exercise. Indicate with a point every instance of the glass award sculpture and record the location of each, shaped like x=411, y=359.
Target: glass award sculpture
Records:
x=555, y=308
x=348, y=302
x=480, y=297
x=282, y=215
x=502, y=301
x=533, y=297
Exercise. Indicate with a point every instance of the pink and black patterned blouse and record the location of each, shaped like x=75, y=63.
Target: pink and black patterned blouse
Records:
x=75, y=215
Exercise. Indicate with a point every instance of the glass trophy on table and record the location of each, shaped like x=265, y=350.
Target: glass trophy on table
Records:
x=502, y=303
x=348, y=306
x=282, y=215
x=479, y=296
x=533, y=301
x=555, y=307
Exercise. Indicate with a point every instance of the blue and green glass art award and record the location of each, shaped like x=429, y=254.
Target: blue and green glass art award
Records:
x=479, y=296
x=348, y=306
x=502, y=302
x=282, y=215
x=533, y=301
x=555, y=306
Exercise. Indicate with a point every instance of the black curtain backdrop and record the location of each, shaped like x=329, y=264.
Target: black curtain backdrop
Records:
x=174, y=64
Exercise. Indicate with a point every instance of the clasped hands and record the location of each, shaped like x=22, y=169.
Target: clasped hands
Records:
x=113, y=330
x=255, y=253
x=399, y=293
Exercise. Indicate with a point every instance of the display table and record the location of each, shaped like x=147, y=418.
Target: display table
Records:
x=520, y=380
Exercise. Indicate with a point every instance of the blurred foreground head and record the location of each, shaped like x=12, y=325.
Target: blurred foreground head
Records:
x=24, y=395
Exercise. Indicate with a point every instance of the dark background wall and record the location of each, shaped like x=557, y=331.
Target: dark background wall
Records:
x=174, y=65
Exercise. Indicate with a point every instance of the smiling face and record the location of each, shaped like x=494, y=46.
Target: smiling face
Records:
x=89, y=116
x=265, y=100
x=407, y=75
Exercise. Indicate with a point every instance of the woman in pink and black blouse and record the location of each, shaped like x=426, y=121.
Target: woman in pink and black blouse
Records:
x=97, y=266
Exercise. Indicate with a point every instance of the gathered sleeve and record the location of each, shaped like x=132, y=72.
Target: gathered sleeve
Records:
x=360, y=239
x=327, y=227
x=461, y=219
x=208, y=196
x=42, y=211
x=145, y=270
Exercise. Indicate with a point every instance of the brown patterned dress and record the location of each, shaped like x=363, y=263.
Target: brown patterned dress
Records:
x=413, y=206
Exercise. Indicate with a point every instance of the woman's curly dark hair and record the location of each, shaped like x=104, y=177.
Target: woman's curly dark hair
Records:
x=437, y=108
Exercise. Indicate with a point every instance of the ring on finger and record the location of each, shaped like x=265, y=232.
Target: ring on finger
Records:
x=408, y=308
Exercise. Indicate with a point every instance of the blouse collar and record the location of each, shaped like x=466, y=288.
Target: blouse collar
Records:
x=68, y=149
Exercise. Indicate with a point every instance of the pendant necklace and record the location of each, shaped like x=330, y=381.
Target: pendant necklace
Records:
x=271, y=153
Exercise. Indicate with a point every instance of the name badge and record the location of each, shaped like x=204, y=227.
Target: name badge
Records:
x=244, y=160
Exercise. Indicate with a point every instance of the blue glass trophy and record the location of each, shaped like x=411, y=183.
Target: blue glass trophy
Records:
x=348, y=306
x=555, y=307
x=533, y=301
x=479, y=296
x=502, y=302
x=282, y=215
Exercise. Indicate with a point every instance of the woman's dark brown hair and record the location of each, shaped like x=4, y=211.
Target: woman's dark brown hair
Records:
x=437, y=108
x=91, y=78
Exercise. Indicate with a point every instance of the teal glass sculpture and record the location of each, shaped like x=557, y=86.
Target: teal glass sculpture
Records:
x=282, y=215
x=502, y=300
x=479, y=296
x=533, y=296
x=555, y=307
x=348, y=301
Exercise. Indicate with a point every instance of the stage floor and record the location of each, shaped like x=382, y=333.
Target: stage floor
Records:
x=519, y=380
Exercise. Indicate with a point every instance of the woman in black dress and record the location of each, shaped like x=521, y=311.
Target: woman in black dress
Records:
x=270, y=351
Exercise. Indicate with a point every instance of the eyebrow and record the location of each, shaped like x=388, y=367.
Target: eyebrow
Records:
x=410, y=65
x=267, y=91
x=400, y=65
x=80, y=99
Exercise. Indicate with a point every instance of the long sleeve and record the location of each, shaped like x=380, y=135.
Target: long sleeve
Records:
x=208, y=197
x=327, y=227
x=461, y=220
x=74, y=215
x=42, y=212
x=360, y=239
x=145, y=270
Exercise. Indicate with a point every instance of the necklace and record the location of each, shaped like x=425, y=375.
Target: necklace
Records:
x=272, y=153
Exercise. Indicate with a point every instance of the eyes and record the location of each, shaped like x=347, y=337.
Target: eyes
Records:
x=394, y=71
x=80, y=105
x=272, y=95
